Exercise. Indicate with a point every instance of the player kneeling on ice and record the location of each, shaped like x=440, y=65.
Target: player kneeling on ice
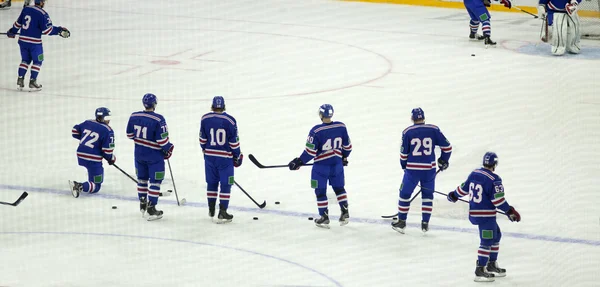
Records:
x=565, y=32
x=328, y=143
x=417, y=158
x=486, y=194
x=221, y=147
x=150, y=134
x=33, y=23
x=96, y=141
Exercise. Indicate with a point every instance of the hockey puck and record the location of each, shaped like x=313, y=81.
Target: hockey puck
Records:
x=472, y=55
x=255, y=218
x=310, y=218
x=276, y=202
x=395, y=218
x=114, y=207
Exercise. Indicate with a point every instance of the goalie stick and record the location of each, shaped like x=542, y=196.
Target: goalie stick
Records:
x=21, y=198
x=261, y=206
x=259, y=165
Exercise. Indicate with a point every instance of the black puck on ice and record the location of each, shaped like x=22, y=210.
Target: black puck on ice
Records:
x=114, y=207
x=255, y=218
x=395, y=218
x=472, y=55
x=310, y=218
x=276, y=202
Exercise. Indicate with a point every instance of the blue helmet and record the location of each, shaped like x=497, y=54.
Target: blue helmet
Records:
x=149, y=101
x=102, y=114
x=418, y=114
x=490, y=159
x=326, y=111
x=218, y=103
x=38, y=2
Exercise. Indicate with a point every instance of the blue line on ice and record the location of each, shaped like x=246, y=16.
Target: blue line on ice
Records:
x=546, y=238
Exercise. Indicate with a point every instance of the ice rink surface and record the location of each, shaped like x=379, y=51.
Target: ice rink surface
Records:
x=275, y=62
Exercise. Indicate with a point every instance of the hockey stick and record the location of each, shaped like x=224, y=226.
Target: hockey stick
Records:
x=174, y=188
x=463, y=200
x=259, y=165
x=261, y=206
x=161, y=194
x=544, y=30
x=534, y=16
x=411, y=200
x=7, y=34
x=21, y=198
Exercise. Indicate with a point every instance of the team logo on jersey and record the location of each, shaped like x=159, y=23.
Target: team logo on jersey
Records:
x=41, y=57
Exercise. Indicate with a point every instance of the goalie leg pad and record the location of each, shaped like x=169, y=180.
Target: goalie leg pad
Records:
x=573, y=34
x=559, y=34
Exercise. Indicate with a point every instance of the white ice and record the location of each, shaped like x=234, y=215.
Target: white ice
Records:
x=275, y=62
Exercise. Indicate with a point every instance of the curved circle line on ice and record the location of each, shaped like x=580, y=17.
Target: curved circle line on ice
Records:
x=388, y=69
x=336, y=283
x=546, y=238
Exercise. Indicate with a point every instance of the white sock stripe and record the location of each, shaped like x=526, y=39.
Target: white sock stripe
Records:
x=404, y=200
x=427, y=200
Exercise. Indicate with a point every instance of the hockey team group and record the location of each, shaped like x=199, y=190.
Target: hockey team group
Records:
x=328, y=144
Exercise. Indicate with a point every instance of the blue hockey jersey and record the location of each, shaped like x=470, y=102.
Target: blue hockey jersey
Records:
x=219, y=136
x=150, y=134
x=34, y=22
x=486, y=194
x=418, y=147
x=96, y=141
x=327, y=143
x=556, y=5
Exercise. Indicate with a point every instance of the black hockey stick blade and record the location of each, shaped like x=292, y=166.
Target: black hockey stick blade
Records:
x=389, y=216
x=7, y=33
x=534, y=16
x=261, y=206
x=21, y=198
x=259, y=165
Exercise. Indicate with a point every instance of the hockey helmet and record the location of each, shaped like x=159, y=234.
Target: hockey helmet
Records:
x=218, y=102
x=417, y=114
x=102, y=114
x=38, y=2
x=326, y=111
x=490, y=159
x=149, y=101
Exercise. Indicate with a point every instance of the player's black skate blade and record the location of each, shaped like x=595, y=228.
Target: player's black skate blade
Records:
x=489, y=42
x=493, y=268
x=143, y=205
x=399, y=225
x=345, y=217
x=153, y=213
x=34, y=86
x=20, y=83
x=481, y=275
x=223, y=216
x=476, y=37
x=211, y=210
x=323, y=221
x=424, y=226
x=75, y=188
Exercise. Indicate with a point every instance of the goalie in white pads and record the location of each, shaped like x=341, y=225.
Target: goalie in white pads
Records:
x=565, y=22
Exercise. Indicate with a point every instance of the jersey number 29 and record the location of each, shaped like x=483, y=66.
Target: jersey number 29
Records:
x=426, y=143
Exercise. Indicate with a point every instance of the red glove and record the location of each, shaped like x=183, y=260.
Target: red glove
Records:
x=169, y=153
x=571, y=7
x=506, y=3
x=513, y=215
x=112, y=160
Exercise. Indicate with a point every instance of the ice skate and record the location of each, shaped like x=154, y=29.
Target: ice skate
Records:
x=76, y=188
x=492, y=267
x=5, y=5
x=476, y=37
x=224, y=217
x=143, y=205
x=153, y=213
x=20, y=83
x=399, y=225
x=211, y=209
x=481, y=275
x=488, y=41
x=344, y=218
x=424, y=226
x=323, y=222
x=34, y=86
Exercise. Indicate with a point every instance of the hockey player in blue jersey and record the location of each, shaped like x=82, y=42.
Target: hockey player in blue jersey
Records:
x=479, y=15
x=33, y=23
x=417, y=158
x=221, y=147
x=150, y=134
x=486, y=194
x=329, y=145
x=96, y=142
x=563, y=18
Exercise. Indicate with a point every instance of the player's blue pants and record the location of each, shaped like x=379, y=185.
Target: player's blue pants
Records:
x=95, y=175
x=153, y=172
x=411, y=179
x=479, y=14
x=550, y=17
x=334, y=174
x=218, y=170
x=490, y=235
x=31, y=53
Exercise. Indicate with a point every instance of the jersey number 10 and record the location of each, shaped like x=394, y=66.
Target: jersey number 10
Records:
x=219, y=138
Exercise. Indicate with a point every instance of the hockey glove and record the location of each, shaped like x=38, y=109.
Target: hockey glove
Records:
x=541, y=11
x=506, y=3
x=513, y=214
x=571, y=7
x=452, y=197
x=487, y=3
x=345, y=161
x=295, y=164
x=112, y=160
x=238, y=161
x=403, y=164
x=442, y=164
x=64, y=32
x=169, y=153
x=10, y=34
